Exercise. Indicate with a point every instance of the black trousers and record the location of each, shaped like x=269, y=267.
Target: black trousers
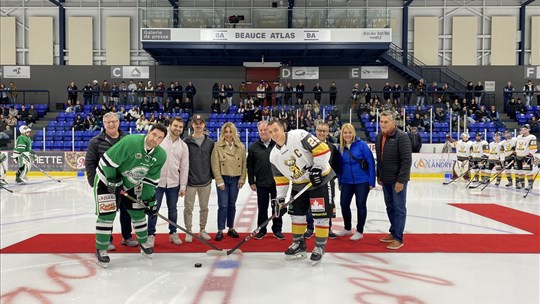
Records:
x=264, y=194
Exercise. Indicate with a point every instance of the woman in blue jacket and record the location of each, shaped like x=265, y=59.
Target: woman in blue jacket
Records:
x=355, y=177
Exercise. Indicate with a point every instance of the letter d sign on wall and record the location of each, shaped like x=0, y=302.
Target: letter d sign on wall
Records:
x=286, y=73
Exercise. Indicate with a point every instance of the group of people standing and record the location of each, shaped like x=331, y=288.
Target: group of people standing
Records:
x=133, y=173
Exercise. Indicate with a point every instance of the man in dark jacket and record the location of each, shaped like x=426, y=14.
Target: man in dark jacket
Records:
x=199, y=177
x=261, y=180
x=98, y=145
x=416, y=140
x=394, y=159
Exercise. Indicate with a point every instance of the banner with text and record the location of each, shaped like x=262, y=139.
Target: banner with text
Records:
x=19, y=71
x=299, y=73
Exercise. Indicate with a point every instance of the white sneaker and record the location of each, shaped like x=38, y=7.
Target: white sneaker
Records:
x=189, y=238
x=357, y=236
x=204, y=235
x=151, y=240
x=175, y=239
x=344, y=232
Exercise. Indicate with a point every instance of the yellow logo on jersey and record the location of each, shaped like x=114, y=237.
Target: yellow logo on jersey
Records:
x=295, y=171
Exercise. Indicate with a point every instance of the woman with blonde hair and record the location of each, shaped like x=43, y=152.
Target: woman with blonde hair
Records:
x=355, y=177
x=229, y=169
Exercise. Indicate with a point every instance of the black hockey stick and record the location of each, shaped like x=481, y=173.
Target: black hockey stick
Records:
x=462, y=175
x=483, y=163
x=530, y=188
x=216, y=251
x=230, y=251
x=44, y=172
x=8, y=190
x=496, y=175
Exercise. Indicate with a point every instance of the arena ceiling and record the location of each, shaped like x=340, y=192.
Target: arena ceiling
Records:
x=235, y=54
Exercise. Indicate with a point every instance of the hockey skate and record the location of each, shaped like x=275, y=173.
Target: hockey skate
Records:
x=316, y=255
x=509, y=184
x=102, y=258
x=146, y=250
x=498, y=182
x=3, y=182
x=297, y=250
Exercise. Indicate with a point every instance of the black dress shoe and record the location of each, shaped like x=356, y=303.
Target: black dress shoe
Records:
x=279, y=236
x=260, y=235
x=232, y=233
x=219, y=236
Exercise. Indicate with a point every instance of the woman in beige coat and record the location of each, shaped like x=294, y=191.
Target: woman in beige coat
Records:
x=229, y=169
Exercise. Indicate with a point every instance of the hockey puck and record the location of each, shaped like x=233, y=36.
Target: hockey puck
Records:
x=198, y=265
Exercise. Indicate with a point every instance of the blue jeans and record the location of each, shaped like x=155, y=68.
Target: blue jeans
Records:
x=227, y=202
x=396, y=209
x=171, y=195
x=360, y=192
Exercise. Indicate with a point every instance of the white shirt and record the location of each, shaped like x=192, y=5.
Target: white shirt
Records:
x=176, y=168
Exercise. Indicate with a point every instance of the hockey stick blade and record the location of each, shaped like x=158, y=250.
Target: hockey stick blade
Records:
x=4, y=188
x=247, y=238
x=216, y=252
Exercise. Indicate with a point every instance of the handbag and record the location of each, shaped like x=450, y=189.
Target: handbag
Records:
x=362, y=162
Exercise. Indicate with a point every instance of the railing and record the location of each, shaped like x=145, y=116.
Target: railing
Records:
x=442, y=74
x=28, y=96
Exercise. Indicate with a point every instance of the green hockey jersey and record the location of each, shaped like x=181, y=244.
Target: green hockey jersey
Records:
x=24, y=144
x=129, y=161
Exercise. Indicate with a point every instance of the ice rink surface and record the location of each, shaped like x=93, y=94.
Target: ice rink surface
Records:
x=382, y=277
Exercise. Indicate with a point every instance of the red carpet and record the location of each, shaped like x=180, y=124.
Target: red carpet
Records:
x=473, y=243
x=519, y=219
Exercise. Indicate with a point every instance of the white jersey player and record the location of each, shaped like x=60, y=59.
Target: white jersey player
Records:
x=496, y=154
x=479, y=155
x=3, y=169
x=509, y=144
x=463, y=152
x=525, y=149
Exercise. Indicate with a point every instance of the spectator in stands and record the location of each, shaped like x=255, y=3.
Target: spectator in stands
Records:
x=160, y=118
x=528, y=92
x=154, y=105
x=230, y=94
x=288, y=93
x=268, y=94
x=152, y=120
x=317, y=91
x=473, y=107
x=243, y=89
x=167, y=105
x=96, y=89
x=224, y=106
x=13, y=111
x=332, y=94
x=190, y=94
x=478, y=92
x=537, y=93
x=215, y=106
x=416, y=140
x=444, y=93
x=122, y=113
x=3, y=94
x=133, y=114
x=432, y=93
x=167, y=120
x=440, y=115
x=177, y=106
x=456, y=106
x=187, y=105
x=279, y=93
x=300, y=89
x=260, y=93
x=115, y=93
x=88, y=123
x=265, y=114
x=160, y=92
x=291, y=123
x=215, y=91
x=396, y=92
x=78, y=123
x=420, y=93
x=465, y=112
x=32, y=116
x=222, y=93
x=140, y=92
x=145, y=106
x=408, y=89
x=23, y=114
x=533, y=122
x=3, y=129
x=241, y=108
x=123, y=92
x=508, y=94
x=132, y=89
x=482, y=115
x=149, y=90
x=469, y=89
x=356, y=95
x=13, y=92
x=521, y=108
x=105, y=91
x=316, y=108
x=70, y=107
x=142, y=124
x=178, y=91
x=494, y=117
x=87, y=93
x=417, y=122
x=72, y=92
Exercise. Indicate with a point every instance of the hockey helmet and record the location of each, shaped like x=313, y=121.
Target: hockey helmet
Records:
x=23, y=129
